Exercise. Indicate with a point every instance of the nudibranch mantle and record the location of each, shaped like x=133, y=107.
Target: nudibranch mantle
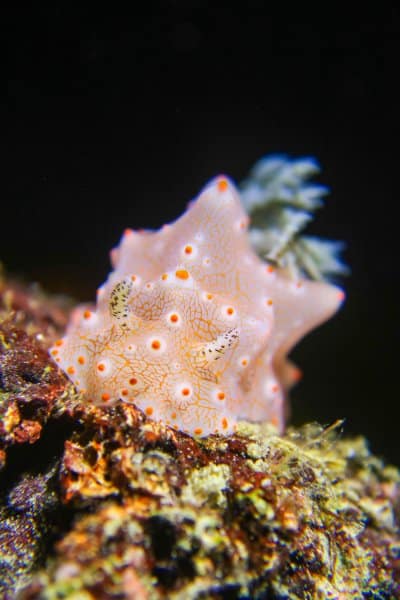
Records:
x=191, y=326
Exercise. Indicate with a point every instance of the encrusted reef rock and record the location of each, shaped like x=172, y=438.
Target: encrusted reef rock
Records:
x=102, y=502
x=27, y=514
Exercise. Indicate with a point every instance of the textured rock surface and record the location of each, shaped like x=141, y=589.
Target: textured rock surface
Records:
x=101, y=502
x=26, y=514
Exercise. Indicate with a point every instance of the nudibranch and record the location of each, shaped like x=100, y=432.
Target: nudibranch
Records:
x=191, y=325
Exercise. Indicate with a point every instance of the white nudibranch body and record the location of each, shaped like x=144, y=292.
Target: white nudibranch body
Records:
x=191, y=326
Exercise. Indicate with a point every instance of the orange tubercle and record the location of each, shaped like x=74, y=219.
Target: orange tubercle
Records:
x=182, y=274
x=297, y=374
x=275, y=421
x=222, y=184
x=341, y=295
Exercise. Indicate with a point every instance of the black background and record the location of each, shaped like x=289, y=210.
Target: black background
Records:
x=112, y=119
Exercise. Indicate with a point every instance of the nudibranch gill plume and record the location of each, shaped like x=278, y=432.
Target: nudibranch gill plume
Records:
x=191, y=325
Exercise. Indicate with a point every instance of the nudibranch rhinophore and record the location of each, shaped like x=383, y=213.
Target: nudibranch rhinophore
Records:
x=191, y=326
